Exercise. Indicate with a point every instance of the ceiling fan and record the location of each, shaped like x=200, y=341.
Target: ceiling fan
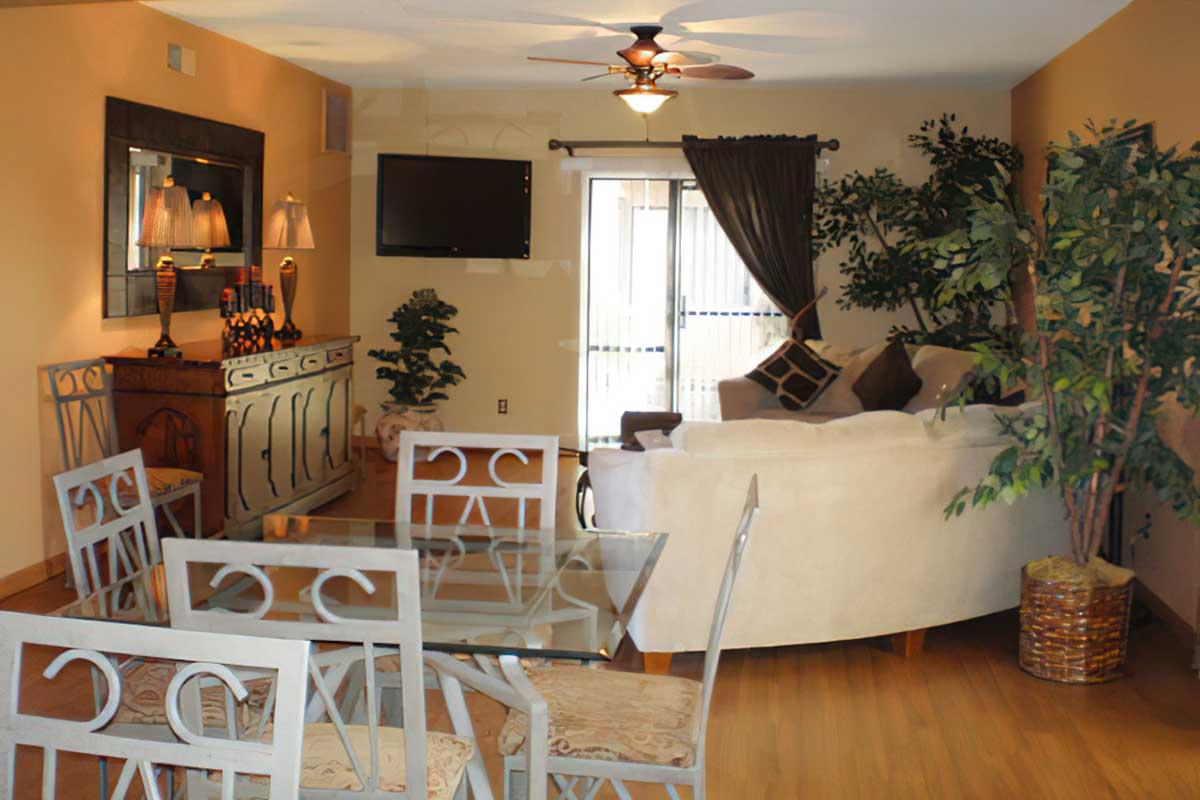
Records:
x=646, y=61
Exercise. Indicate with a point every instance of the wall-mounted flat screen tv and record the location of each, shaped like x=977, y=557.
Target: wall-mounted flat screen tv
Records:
x=440, y=207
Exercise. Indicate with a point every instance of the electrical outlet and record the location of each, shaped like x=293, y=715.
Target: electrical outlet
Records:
x=502, y=405
x=181, y=59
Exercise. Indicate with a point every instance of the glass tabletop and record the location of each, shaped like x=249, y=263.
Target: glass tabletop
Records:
x=555, y=593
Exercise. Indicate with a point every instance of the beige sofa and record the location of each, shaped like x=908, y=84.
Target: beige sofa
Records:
x=852, y=540
x=940, y=370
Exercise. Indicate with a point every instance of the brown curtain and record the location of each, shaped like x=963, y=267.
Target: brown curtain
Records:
x=760, y=189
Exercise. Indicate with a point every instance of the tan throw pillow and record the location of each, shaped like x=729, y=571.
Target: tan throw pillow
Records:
x=889, y=382
x=839, y=398
x=940, y=370
x=795, y=374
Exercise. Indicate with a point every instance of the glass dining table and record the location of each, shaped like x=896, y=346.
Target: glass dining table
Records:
x=485, y=591
x=552, y=593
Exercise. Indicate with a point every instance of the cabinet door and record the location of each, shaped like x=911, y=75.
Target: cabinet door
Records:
x=249, y=492
x=338, y=425
x=313, y=405
x=279, y=448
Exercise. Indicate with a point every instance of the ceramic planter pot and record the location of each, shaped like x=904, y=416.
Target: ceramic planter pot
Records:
x=398, y=418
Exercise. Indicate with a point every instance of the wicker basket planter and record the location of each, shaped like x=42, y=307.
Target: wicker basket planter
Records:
x=1072, y=630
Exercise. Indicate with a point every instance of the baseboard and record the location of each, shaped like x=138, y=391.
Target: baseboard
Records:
x=357, y=441
x=1158, y=607
x=32, y=575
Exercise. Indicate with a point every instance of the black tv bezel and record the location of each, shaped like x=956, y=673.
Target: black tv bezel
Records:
x=382, y=249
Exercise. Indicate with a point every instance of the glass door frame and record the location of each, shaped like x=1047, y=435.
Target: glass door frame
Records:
x=670, y=316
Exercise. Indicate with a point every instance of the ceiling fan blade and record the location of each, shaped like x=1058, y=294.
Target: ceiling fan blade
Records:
x=603, y=74
x=568, y=61
x=685, y=58
x=725, y=72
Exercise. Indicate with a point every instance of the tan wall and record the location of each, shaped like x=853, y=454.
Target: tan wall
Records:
x=520, y=320
x=58, y=64
x=1140, y=64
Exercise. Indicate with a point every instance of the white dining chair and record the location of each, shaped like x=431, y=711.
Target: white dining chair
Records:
x=87, y=431
x=543, y=491
x=341, y=758
x=107, y=506
x=147, y=762
x=612, y=727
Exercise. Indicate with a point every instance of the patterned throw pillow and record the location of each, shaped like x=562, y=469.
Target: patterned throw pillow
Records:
x=795, y=374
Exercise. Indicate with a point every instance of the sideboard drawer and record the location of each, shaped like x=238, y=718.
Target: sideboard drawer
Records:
x=238, y=378
x=313, y=362
x=283, y=369
x=342, y=355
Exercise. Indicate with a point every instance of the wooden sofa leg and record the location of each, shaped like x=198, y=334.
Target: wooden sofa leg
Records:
x=909, y=643
x=656, y=663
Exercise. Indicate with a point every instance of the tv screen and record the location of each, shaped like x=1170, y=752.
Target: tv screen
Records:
x=440, y=207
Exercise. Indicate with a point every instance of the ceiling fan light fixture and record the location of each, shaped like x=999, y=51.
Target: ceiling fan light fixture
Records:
x=645, y=98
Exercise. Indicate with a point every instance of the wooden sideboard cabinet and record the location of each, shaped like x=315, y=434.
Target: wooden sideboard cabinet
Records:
x=269, y=431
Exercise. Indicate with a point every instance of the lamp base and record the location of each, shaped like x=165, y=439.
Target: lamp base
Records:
x=164, y=348
x=289, y=332
x=164, y=285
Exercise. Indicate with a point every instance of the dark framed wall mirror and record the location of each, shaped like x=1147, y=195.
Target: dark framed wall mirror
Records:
x=220, y=166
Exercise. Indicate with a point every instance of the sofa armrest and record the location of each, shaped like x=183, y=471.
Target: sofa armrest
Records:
x=742, y=398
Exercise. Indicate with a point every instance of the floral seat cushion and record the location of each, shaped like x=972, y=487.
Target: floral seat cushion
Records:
x=606, y=715
x=325, y=764
x=144, y=698
x=164, y=480
x=161, y=481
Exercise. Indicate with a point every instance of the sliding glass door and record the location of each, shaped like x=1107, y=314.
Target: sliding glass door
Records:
x=671, y=308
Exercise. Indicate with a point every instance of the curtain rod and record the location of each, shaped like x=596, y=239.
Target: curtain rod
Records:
x=610, y=144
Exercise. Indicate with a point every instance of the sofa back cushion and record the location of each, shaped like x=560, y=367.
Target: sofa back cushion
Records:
x=866, y=432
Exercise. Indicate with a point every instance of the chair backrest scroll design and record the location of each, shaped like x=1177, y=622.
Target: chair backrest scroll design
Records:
x=96, y=643
x=439, y=444
x=311, y=614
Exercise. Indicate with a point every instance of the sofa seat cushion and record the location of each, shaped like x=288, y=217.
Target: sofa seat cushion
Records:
x=605, y=715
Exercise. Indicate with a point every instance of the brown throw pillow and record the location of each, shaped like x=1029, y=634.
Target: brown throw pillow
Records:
x=795, y=374
x=888, y=382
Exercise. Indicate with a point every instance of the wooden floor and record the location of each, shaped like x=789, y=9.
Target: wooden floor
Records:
x=852, y=720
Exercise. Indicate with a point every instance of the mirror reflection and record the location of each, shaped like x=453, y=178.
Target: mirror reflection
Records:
x=214, y=195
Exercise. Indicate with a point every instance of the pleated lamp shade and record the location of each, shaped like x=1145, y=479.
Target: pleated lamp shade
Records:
x=167, y=217
x=208, y=222
x=287, y=227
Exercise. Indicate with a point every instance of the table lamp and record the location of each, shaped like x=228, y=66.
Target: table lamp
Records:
x=166, y=223
x=288, y=229
x=210, y=228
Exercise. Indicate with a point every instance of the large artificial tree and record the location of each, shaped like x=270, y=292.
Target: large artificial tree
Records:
x=1114, y=272
x=884, y=222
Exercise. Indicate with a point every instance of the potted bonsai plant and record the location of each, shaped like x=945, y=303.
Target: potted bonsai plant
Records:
x=417, y=378
x=1114, y=272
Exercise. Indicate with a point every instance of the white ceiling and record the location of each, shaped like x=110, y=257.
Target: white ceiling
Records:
x=391, y=43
